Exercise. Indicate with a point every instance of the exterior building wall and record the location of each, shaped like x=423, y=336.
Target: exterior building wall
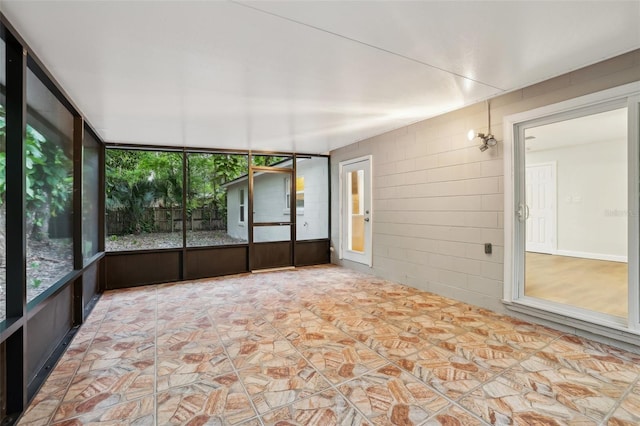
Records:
x=312, y=221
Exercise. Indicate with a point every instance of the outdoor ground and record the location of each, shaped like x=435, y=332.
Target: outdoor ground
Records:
x=168, y=240
x=47, y=262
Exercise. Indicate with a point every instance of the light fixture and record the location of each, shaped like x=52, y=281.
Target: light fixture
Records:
x=488, y=140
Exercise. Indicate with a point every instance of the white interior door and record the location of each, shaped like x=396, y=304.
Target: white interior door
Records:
x=356, y=220
x=540, y=189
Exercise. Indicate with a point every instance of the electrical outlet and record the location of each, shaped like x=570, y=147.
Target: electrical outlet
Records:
x=488, y=248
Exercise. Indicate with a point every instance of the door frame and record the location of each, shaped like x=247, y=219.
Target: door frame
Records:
x=253, y=246
x=368, y=186
x=554, y=215
x=513, y=296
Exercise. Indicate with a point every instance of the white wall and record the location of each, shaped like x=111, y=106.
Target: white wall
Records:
x=437, y=198
x=313, y=222
x=234, y=227
x=591, y=198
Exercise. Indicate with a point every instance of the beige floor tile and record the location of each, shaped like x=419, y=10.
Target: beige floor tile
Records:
x=271, y=387
x=219, y=401
x=390, y=395
x=326, y=346
x=324, y=409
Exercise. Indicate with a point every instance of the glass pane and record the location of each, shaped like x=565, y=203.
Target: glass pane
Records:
x=143, y=199
x=271, y=202
x=263, y=234
x=216, y=199
x=90, y=196
x=49, y=188
x=312, y=198
x=355, y=181
x=576, y=208
x=3, y=205
x=272, y=160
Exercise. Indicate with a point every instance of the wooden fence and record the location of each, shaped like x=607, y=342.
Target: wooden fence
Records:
x=168, y=220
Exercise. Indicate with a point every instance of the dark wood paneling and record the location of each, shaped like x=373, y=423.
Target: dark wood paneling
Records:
x=46, y=329
x=134, y=269
x=312, y=252
x=213, y=262
x=90, y=283
x=271, y=255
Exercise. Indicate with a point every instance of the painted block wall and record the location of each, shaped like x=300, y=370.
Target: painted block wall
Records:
x=313, y=222
x=235, y=228
x=437, y=199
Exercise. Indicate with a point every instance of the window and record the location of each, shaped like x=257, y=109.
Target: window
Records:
x=143, y=199
x=49, y=188
x=90, y=196
x=299, y=194
x=242, y=206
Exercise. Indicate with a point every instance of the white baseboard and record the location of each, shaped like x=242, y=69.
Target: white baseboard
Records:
x=595, y=256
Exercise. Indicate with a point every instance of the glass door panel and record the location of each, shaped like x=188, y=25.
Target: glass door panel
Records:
x=356, y=211
x=575, y=212
x=355, y=180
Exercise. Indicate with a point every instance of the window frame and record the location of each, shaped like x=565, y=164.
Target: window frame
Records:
x=287, y=196
x=242, y=219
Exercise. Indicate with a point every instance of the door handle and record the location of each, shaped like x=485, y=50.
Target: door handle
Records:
x=523, y=212
x=366, y=219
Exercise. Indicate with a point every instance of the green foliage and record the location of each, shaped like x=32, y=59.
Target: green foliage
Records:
x=49, y=181
x=48, y=177
x=207, y=174
x=135, y=180
x=139, y=180
x=267, y=160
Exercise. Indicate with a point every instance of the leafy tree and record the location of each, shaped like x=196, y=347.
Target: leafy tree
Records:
x=136, y=180
x=48, y=180
x=207, y=174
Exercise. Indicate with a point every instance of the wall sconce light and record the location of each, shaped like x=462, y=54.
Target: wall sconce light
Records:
x=488, y=140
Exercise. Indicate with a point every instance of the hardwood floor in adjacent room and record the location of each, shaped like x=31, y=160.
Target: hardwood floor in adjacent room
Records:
x=597, y=285
x=324, y=346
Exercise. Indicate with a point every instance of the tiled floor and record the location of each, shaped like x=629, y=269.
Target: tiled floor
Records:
x=324, y=346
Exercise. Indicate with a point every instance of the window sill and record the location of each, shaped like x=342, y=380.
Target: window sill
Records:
x=299, y=212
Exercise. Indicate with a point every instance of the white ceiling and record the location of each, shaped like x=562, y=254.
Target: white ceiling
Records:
x=603, y=127
x=306, y=76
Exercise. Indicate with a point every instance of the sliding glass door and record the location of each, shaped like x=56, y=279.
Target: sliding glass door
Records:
x=574, y=223
x=575, y=211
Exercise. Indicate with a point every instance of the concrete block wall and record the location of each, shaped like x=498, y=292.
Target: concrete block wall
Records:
x=437, y=199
